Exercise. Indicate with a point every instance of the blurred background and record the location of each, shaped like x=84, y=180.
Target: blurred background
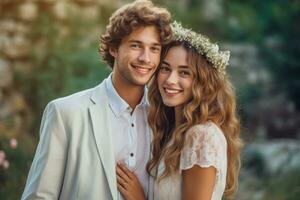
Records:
x=48, y=49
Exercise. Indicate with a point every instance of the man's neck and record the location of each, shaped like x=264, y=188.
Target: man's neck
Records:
x=130, y=93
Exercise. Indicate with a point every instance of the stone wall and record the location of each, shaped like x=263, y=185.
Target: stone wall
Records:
x=16, y=21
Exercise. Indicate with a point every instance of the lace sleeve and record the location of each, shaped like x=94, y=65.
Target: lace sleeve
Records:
x=205, y=146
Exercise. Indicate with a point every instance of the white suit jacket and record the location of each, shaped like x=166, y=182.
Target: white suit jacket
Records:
x=74, y=158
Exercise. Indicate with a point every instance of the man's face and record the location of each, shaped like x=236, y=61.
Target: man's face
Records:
x=137, y=56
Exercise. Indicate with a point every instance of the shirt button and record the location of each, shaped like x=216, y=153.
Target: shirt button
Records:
x=131, y=154
x=132, y=125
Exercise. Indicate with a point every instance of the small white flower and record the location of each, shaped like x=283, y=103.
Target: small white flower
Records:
x=5, y=164
x=218, y=59
x=2, y=156
x=13, y=143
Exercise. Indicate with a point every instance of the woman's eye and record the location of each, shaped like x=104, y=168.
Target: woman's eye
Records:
x=185, y=73
x=164, y=69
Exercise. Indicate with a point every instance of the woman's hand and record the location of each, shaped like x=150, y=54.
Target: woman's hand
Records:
x=128, y=184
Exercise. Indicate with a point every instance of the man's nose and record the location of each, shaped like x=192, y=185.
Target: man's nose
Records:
x=145, y=56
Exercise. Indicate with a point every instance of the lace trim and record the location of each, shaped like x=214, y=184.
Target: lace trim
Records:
x=204, y=147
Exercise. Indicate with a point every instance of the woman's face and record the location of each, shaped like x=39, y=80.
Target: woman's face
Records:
x=175, y=78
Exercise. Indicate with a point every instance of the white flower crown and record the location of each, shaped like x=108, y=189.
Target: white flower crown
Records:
x=218, y=59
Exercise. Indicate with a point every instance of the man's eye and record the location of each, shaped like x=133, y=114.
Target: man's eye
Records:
x=135, y=46
x=155, y=49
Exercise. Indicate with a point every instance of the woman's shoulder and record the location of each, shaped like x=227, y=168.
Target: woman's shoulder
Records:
x=205, y=146
x=208, y=131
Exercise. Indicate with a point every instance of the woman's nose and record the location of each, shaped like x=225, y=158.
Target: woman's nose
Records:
x=173, y=78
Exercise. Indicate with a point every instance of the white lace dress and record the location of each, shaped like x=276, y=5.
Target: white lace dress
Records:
x=205, y=146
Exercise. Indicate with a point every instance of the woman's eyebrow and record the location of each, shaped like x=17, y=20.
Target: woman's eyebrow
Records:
x=183, y=67
x=179, y=66
x=165, y=62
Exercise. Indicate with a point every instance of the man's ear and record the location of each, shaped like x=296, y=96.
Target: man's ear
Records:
x=113, y=52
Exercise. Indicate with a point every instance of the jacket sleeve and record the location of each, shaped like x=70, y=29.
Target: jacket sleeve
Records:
x=46, y=174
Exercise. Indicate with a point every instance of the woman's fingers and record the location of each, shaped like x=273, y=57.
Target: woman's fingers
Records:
x=122, y=174
x=128, y=184
x=121, y=181
x=122, y=190
x=130, y=174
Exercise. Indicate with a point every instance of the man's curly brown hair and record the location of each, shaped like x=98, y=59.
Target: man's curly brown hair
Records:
x=124, y=20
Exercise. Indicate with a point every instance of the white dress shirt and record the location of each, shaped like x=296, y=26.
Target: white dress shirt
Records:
x=130, y=133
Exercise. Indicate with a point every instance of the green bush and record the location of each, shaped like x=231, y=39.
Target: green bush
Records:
x=18, y=160
x=284, y=187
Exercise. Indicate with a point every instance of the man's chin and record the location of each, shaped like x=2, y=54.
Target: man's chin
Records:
x=140, y=83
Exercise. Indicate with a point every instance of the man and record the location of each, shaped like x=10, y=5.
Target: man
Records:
x=84, y=135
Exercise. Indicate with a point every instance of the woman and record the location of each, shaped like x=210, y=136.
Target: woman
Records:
x=196, y=142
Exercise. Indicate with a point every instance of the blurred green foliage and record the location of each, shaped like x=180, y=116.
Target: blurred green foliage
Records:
x=274, y=27
x=284, y=187
x=62, y=66
x=254, y=162
x=12, y=179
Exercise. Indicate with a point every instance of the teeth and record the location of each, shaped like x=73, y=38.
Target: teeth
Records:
x=142, y=70
x=171, y=91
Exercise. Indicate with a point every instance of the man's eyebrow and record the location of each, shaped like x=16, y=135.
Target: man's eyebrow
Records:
x=156, y=44
x=139, y=42
x=135, y=41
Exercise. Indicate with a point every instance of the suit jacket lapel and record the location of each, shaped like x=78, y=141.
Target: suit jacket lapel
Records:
x=102, y=132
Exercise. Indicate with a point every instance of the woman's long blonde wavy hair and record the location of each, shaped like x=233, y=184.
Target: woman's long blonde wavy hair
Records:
x=213, y=99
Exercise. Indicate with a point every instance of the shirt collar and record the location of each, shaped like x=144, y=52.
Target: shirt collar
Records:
x=144, y=101
x=117, y=104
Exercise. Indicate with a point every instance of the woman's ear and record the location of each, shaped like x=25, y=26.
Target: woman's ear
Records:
x=113, y=52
